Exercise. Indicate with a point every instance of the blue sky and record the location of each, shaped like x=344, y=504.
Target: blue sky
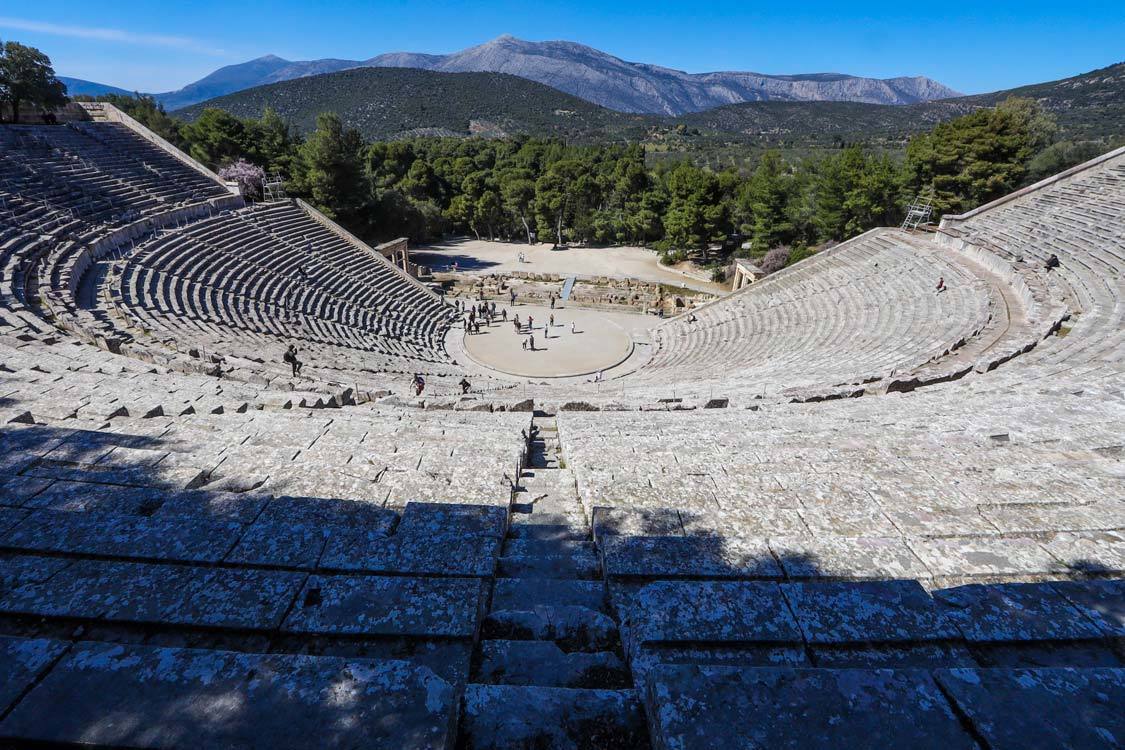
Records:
x=973, y=47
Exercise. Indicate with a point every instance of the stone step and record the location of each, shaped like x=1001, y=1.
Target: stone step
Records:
x=550, y=717
x=544, y=663
x=527, y=593
x=580, y=564
x=539, y=517
x=573, y=628
x=549, y=503
x=549, y=532
x=548, y=547
x=555, y=481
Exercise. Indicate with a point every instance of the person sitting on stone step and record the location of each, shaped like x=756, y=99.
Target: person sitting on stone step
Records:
x=465, y=386
x=290, y=358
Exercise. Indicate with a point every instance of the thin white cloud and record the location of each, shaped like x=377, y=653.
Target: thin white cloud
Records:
x=119, y=36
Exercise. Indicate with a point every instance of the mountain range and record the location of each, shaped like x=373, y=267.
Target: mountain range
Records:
x=391, y=103
x=585, y=72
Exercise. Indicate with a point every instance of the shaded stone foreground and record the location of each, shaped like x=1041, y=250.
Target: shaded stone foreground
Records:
x=144, y=654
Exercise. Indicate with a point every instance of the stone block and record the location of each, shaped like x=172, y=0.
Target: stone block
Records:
x=861, y=611
x=1022, y=708
x=139, y=696
x=114, y=535
x=1014, y=612
x=1102, y=601
x=983, y=556
x=708, y=707
x=387, y=606
x=847, y=557
x=687, y=557
x=22, y=662
x=708, y=612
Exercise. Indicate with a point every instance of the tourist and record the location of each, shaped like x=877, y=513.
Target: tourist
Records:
x=512, y=294
x=476, y=326
x=516, y=322
x=523, y=343
x=941, y=284
x=530, y=323
x=468, y=324
x=465, y=386
x=692, y=318
x=598, y=376
x=531, y=342
x=572, y=330
x=505, y=311
x=552, y=302
x=419, y=384
x=551, y=320
x=291, y=359
x=1052, y=262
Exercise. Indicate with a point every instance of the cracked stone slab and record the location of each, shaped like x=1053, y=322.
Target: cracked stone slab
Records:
x=82, y=497
x=413, y=554
x=1102, y=601
x=19, y=491
x=856, y=612
x=938, y=522
x=154, y=594
x=846, y=521
x=436, y=520
x=1022, y=708
x=758, y=523
x=10, y=517
x=847, y=557
x=22, y=661
x=694, y=707
x=292, y=532
x=139, y=696
x=687, y=557
x=1027, y=519
x=983, y=556
x=1015, y=612
x=624, y=521
x=387, y=606
x=709, y=612
x=113, y=535
x=172, y=474
x=1099, y=552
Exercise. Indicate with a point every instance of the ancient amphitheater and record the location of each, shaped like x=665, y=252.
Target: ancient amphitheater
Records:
x=835, y=509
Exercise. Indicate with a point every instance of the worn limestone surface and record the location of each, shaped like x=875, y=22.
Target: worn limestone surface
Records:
x=139, y=696
x=696, y=557
x=729, y=707
x=1101, y=601
x=1015, y=612
x=886, y=611
x=710, y=611
x=1022, y=708
x=387, y=606
x=22, y=661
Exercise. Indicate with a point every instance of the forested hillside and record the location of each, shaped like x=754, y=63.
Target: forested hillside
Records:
x=388, y=103
x=780, y=209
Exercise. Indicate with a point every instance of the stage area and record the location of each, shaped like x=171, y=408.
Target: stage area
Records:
x=480, y=257
x=581, y=342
